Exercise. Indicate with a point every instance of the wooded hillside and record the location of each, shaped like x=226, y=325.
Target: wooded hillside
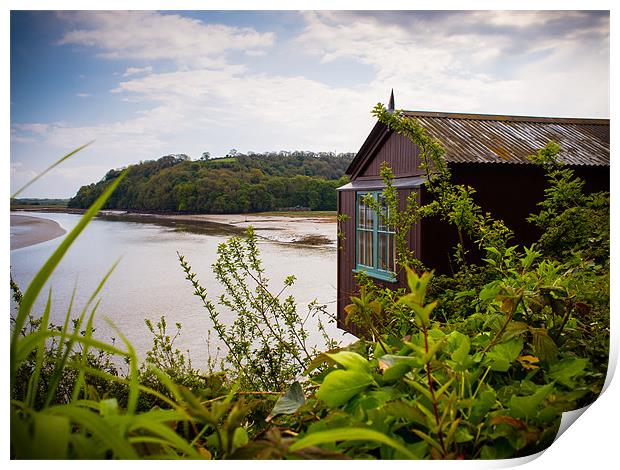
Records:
x=234, y=184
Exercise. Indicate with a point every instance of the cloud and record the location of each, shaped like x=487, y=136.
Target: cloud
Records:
x=471, y=61
x=148, y=35
x=210, y=98
x=83, y=95
x=137, y=71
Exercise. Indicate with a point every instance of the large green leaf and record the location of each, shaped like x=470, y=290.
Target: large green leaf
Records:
x=502, y=355
x=458, y=347
x=350, y=434
x=290, y=402
x=395, y=367
x=526, y=407
x=567, y=369
x=350, y=360
x=544, y=346
x=341, y=385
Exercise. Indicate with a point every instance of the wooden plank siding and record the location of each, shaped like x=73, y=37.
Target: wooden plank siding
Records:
x=346, y=255
x=401, y=155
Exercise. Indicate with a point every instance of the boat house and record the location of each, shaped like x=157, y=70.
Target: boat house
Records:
x=489, y=153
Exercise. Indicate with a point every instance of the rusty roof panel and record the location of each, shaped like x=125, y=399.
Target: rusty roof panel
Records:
x=477, y=138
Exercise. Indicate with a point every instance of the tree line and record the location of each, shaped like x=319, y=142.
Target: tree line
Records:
x=233, y=184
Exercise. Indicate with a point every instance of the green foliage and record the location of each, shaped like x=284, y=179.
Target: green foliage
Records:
x=573, y=223
x=480, y=388
x=267, y=341
x=244, y=183
x=477, y=364
x=61, y=377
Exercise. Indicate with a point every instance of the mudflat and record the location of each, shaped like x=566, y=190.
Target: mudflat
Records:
x=26, y=230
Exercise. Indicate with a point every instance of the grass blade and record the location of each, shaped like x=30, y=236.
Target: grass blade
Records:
x=349, y=434
x=61, y=364
x=134, y=390
x=173, y=439
x=49, y=168
x=88, y=335
x=27, y=344
x=45, y=272
x=33, y=385
x=108, y=435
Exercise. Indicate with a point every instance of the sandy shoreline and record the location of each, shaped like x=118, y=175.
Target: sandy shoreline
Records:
x=279, y=228
x=27, y=231
x=298, y=229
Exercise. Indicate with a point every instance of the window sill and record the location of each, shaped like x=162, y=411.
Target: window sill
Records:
x=382, y=275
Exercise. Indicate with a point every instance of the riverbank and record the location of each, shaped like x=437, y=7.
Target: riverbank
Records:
x=309, y=230
x=27, y=231
x=298, y=228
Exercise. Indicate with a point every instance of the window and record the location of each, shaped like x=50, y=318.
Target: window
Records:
x=374, y=240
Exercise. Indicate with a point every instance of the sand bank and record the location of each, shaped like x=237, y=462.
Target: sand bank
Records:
x=26, y=230
x=304, y=230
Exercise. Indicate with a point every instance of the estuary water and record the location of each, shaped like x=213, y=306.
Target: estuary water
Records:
x=149, y=283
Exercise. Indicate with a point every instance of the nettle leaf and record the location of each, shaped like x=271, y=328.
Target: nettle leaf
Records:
x=396, y=372
x=340, y=386
x=567, y=369
x=526, y=407
x=240, y=437
x=402, y=410
x=288, y=403
x=514, y=328
x=371, y=400
x=395, y=367
x=350, y=360
x=544, y=347
x=482, y=405
x=458, y=347
x=502, y=355
x=490, y=291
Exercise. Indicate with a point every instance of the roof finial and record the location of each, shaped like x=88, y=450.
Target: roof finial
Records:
x=391, y=103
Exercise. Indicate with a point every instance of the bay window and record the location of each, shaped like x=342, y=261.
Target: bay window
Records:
x=374, y=238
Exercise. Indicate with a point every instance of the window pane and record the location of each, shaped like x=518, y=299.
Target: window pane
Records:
x=361, y=213
x=369, y=215
x=391, y=253
x=364, y=247
x=384, y=212
x=382, y=251
x=364, y=214
x=361, y=247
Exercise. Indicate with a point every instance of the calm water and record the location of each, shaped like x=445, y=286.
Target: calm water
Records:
x=149, y=282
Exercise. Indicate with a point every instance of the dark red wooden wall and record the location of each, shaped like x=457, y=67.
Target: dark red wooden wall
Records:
x=400, y=154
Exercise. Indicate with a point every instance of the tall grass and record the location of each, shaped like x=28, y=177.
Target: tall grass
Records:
x=85, y=426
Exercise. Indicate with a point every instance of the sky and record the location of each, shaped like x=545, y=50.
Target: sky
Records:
x=143, y=84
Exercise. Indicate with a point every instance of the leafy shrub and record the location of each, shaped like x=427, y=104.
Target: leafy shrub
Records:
x=267, y=343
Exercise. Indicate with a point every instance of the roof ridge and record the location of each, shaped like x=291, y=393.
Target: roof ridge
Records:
x=509, y=118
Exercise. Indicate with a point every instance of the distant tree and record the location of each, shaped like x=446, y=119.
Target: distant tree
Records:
x=260, y=182
x=205, y=156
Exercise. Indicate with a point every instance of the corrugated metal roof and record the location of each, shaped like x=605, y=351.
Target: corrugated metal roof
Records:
x=409, y=182
x=483, y=138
